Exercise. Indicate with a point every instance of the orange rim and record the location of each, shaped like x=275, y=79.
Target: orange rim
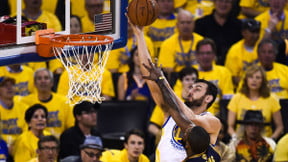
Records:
x=80, y=40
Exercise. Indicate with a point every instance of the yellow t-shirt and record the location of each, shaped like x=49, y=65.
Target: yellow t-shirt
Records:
x=199, y=8
x=36, y=65
x=118, y=58
x=239, y=59
x=171, y=55
x=50, y=19
x=281, y=152
x=278, y=80
x=281, y=27
x=24, y=80
x=60, y=113
x=160, y=30
x=25, y=146
x=239, y=104
x=254, y=4
x=49, y=6
x=120, y=156
x=12, y=121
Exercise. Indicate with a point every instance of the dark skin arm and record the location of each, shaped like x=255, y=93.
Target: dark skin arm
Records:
x=169, y=96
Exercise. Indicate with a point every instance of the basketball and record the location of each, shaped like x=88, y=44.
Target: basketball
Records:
x=143, y=12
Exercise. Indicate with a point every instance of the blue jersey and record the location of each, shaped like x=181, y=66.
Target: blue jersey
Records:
x=209, y=155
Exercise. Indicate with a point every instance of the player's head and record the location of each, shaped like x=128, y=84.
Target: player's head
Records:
x=196, y=139
x=203, y=92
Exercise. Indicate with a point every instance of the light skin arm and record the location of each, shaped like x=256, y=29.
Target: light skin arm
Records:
x=277, y=118
x=231, y=122
x=144, y=56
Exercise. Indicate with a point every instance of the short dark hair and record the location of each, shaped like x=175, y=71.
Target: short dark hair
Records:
x=49, y=138
x=268, y=41
x=198, y=139
x=211, y=90
x=85, y=106
x=206, y=41
x=136, y=132
x=187, y=71
x=31, y=110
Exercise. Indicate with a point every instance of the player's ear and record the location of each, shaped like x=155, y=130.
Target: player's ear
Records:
x=208, y=98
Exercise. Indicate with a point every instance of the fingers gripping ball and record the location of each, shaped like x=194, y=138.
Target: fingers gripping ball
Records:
x=143, y=12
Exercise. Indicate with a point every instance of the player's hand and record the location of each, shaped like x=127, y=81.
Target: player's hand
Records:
x=154, y=70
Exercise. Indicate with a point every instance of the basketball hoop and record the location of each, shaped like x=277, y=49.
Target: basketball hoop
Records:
x=83, y=56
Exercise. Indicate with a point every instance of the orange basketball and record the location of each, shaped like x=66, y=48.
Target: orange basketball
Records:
x=143, y=12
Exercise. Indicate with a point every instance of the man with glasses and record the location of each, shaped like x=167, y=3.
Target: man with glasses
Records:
x=48, y=149
x=90, y=151
x=85, y=121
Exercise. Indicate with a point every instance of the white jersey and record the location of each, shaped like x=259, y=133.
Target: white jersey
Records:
x=170, y=148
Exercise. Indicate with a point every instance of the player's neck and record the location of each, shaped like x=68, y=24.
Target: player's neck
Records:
x=199, y=109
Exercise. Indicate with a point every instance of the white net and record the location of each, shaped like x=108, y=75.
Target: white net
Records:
x=85, y=66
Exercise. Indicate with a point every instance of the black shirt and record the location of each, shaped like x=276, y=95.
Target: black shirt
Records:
x=71, y=139
x=224, y=36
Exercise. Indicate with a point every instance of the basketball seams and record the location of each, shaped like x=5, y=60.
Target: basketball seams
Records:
x=143, y=12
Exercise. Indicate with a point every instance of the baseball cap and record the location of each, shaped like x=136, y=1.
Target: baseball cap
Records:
x=251, y=25
x=84, y=106
x=93, y=142
x=4, y=79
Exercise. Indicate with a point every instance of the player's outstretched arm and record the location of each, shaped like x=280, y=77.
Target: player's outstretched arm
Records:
x=144, y=56
x=173, y=103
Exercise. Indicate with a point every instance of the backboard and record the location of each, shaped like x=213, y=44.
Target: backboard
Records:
x=21, y=48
